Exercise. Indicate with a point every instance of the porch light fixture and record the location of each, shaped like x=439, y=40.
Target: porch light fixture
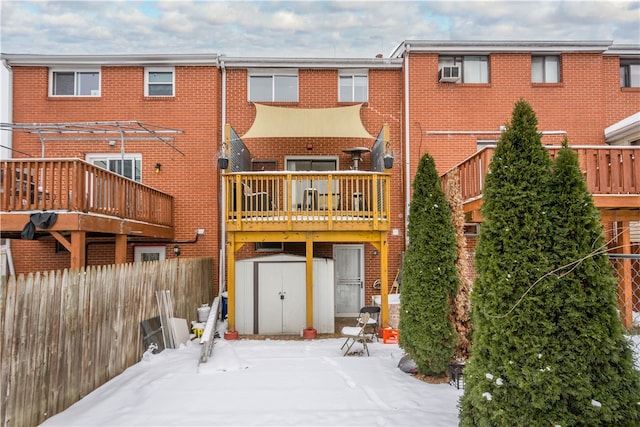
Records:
x=158, y=167
x=176, y=250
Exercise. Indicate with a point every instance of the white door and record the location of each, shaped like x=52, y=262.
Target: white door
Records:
x=349, y=268
x=281, y=298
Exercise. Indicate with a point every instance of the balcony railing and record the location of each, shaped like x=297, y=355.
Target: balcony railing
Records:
x=77, y=186
x=608, y=170
x=307, y=201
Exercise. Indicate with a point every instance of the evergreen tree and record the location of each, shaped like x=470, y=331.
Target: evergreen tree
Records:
x=507, y=376
x=597, y=384
x=429, y=277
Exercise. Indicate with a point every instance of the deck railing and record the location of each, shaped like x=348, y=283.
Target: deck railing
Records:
x=307, y=201
x=608, y=170
x=77, y=186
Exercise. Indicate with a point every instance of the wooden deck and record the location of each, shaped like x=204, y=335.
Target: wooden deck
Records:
x=87, y=200
x=612, y=174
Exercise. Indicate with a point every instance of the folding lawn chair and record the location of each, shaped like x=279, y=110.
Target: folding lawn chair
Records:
x=355, y=334
x=371, y=326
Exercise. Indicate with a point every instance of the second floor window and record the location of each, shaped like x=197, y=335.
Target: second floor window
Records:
x=273, y=87
x=129, y=167
x=629, y=73
x=159, y=82
x=74, y=83
x=473, y=68
x=545, y=69
x=352, y=86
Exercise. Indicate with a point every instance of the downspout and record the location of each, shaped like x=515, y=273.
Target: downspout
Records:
x=7, y=153
x=223, y=234
x=407, y=146
x=7, y=111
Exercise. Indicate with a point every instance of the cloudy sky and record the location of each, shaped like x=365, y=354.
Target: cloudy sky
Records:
x=300, y=28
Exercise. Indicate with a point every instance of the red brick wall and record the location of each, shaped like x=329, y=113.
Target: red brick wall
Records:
x=588, y=99
x=584, y=103
x=192, y=179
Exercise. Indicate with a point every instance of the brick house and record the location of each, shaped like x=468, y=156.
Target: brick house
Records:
x=305, y=139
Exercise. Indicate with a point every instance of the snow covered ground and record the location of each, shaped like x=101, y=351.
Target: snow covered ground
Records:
x=269, y=383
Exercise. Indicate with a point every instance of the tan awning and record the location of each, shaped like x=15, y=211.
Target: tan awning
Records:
x=284, y=122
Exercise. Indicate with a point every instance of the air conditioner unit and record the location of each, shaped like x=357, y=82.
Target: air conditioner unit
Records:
x=449, y=74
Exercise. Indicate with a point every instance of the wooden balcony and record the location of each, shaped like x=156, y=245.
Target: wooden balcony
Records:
x=337, y=201
x=85, y=198
x=612, y=174
x=306, y=207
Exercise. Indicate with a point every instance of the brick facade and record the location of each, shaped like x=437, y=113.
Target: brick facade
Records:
x=191, y=179
x=443, y=119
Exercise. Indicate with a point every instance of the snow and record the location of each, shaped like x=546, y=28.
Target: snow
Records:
x=267, y=382
x=270, y=383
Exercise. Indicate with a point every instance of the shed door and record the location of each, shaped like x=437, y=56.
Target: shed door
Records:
x=281, y=291
x=349, y=270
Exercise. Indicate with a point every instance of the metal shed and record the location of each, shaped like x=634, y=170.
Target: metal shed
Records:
x=271, y=295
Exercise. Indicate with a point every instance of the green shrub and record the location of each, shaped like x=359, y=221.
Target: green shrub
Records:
x=429, y=276
x=548, y=346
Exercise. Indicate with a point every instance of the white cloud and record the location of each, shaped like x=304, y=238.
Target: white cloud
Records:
x=300, y=28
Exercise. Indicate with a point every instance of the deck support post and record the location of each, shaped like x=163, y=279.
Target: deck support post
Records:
x=384, y=280
x=625, y=290
x=309, y=265
x=121, y=249
x=78, y=249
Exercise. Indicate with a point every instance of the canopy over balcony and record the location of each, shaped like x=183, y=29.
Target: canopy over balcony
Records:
x=283, y=122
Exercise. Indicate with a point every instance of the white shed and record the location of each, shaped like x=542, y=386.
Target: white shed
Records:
x=270, y=295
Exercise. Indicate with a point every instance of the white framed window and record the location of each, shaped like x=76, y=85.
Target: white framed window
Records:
x=129, y=167
x=65, y=82
x=159, y=81
x=545, y=69
x=473, y=68
x=353, y=86
x=273, y=86
x=143, y=253
x=629, y=73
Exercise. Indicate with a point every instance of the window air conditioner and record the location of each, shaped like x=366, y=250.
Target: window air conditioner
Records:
x=449, y=74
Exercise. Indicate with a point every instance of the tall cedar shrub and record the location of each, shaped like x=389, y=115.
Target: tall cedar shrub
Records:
x=508, y=379
x=429, y=277
x=589, y=355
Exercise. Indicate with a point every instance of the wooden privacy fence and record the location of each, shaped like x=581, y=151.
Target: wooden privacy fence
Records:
x=65, y=333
